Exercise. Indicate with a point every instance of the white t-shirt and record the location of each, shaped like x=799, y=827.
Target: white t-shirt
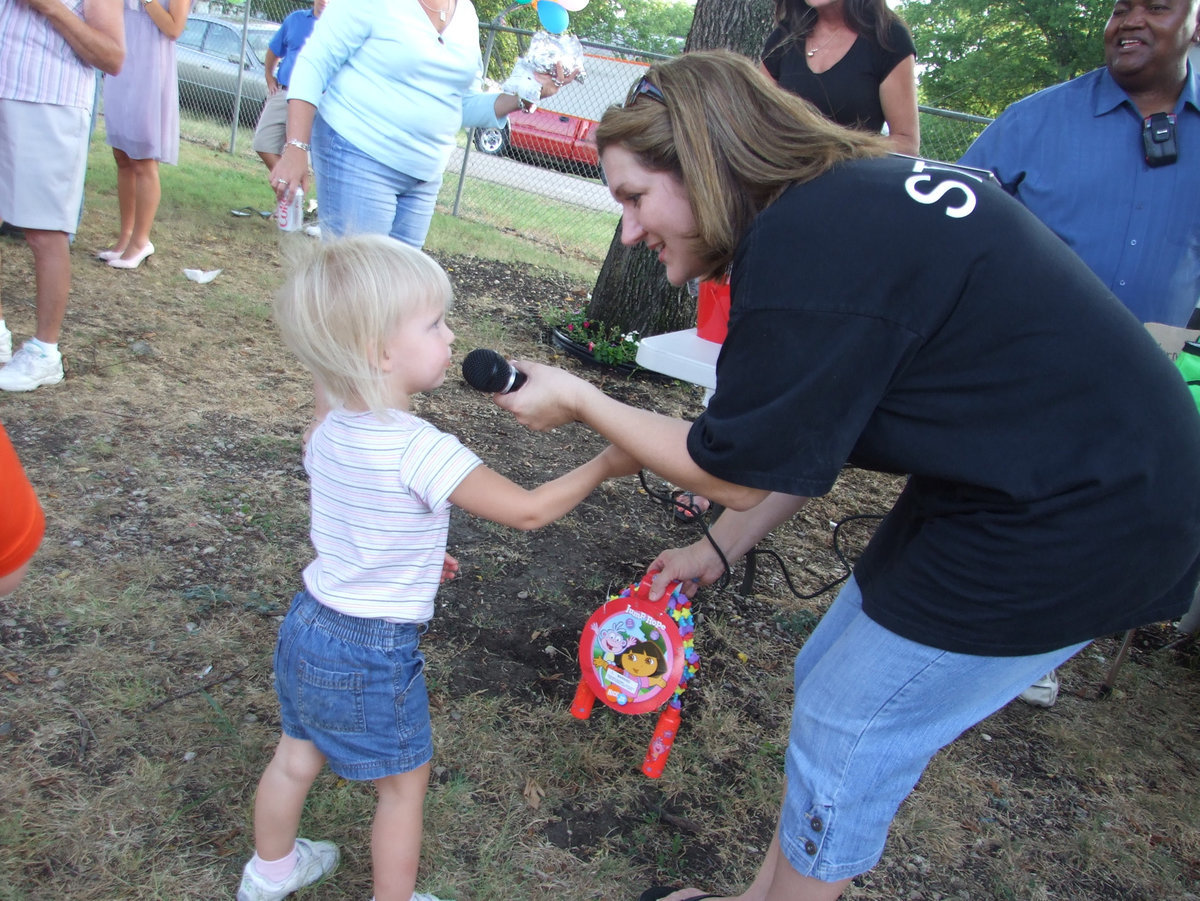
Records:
x=381, y=512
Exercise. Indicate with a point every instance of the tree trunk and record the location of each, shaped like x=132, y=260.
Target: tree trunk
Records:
x=739, y=25
x=632, y=291
x=638, y=297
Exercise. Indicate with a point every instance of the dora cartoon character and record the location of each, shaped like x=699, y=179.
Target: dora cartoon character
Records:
x=644, y=661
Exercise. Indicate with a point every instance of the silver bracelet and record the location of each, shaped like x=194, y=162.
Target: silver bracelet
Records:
x=295, y=143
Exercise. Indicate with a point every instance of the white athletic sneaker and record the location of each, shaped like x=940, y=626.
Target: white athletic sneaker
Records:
x=1043, y=692
x=423, y=896
x=5, y=345
x=315, y=860
x=31, y=368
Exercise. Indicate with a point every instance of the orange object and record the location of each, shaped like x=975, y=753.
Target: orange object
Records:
x=660, y=743
x=581, y=707
x=712, y=311
x=23, y=523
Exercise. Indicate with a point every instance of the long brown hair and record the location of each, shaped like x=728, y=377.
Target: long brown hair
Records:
x=872, y=19
x=733, y=138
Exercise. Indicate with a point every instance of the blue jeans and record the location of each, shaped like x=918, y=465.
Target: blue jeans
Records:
x=355, y=688
x=871, y=710
x=361, y=196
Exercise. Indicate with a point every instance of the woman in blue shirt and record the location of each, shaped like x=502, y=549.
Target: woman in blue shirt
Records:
x=379, y=92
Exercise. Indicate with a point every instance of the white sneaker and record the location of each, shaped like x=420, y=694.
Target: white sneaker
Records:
x=30, y=368
x=5, y=345
x=316, y=859
x=423, y=896
x=1043, y=692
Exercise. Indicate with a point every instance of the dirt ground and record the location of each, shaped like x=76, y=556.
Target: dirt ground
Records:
x=168, y=462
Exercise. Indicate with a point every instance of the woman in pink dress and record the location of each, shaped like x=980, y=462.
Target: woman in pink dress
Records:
x=141, y=117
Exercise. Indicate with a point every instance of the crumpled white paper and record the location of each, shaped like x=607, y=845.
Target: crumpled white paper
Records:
x=545, y=52
x=202, y=276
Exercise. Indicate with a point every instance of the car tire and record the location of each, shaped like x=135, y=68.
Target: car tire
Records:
x=492, y=141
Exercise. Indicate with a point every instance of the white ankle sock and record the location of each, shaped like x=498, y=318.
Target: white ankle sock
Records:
x=47, y=349
x=276, y=870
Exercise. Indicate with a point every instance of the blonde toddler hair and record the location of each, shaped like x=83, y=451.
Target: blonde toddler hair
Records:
x=343, y=299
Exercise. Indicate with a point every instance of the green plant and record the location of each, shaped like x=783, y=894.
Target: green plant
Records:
x=608, y=344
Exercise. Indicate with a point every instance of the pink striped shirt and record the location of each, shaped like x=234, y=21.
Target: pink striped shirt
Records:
x=381, y=512
x=37, y=64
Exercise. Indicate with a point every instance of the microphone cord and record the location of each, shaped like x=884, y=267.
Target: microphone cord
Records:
x=676, y=504
x=722, y=583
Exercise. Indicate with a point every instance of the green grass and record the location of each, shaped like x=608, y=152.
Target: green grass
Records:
x=569, y=233
x=494, y=222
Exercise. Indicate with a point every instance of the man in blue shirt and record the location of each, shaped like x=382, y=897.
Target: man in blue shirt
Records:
x=283, y=49
x=1076, y=156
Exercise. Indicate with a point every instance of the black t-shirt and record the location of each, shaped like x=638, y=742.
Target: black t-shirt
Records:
x=848, y=93
x=909, y=319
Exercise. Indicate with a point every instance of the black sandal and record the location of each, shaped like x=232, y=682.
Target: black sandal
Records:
x=686, y=507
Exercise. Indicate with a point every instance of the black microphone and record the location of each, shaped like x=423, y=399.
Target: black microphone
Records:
x=486, y=370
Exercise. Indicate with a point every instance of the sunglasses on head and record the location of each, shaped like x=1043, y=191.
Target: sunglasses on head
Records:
x=647, y=87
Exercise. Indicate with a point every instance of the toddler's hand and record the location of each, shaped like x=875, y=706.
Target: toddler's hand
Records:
x=449, y=569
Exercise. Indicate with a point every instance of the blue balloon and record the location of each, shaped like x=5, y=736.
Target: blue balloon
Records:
x=552, y=16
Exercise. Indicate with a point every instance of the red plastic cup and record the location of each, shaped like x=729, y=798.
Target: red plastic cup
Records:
x=712, y=311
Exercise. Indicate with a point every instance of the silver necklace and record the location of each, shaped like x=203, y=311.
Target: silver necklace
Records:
x=816, y=50
x=441, y=13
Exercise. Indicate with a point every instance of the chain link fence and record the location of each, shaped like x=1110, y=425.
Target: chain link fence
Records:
x=537, y=176
x=946, y=135
x=222, y=70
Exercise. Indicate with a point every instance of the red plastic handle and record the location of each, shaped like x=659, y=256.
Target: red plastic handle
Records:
x=581, y=707
x=661, y=742
x=642, y=591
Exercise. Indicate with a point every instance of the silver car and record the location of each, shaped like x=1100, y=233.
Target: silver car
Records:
x=209, y=58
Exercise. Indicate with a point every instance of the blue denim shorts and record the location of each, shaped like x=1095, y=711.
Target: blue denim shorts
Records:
x=361, y=196
x=871, y=710
x=355, y=688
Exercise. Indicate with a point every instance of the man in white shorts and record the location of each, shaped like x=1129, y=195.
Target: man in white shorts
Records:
x=47, y=88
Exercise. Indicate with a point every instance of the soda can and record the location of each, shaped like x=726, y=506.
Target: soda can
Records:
x=289, y=214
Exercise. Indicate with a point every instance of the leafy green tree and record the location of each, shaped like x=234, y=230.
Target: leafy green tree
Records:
x=657, y=26
x=978, y=56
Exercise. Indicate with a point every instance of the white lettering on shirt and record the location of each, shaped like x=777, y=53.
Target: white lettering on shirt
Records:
x=912, y=186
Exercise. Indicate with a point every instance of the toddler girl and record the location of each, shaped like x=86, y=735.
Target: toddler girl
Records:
x=366, y=315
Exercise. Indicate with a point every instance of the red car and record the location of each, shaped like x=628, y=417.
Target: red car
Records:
x=563, y=130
